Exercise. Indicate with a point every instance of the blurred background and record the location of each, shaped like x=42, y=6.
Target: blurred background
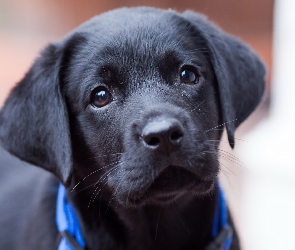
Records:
x=26, y=26
x=260, y=199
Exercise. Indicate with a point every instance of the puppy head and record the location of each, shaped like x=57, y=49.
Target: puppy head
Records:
x=134, y=99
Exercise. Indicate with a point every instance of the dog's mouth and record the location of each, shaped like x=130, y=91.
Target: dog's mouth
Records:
x=171, y=184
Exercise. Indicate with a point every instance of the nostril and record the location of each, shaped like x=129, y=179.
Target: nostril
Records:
x=176, y=136
x=153, y=141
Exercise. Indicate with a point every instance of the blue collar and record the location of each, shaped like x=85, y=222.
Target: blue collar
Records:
x=72, y=238
x=67, y=223
x=221, y=230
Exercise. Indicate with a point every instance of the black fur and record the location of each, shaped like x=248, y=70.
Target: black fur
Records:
x=140, y=170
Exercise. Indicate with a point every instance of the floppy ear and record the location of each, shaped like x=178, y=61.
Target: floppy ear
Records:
x=34, y=120
x=239, y=72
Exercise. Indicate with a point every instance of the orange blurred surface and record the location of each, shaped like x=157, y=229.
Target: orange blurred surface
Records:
x=26, y=26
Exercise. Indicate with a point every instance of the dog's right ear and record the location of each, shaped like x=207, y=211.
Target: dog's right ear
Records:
x=239, y=72
x=34, y=119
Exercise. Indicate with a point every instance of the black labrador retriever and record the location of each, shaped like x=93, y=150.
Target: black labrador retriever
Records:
x=126, y=112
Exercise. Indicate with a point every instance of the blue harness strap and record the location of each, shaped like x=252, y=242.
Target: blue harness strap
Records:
x=67, y=223
x=221, y=230
x=72, y=238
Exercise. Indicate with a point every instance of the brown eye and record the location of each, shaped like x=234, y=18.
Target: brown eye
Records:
x=101, y=97
x=188, y=76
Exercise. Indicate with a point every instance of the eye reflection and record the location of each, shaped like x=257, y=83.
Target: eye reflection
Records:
x=101, y=97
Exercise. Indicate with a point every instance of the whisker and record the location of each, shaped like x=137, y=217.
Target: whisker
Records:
x=108, y=172
x=160, y=221
x=226, y=174
x=181, y=220
x=100, y=156
x=114, y=195
x=177, y=42
x=95, y=171
x=157, y=226
x=130, y=190
x=206, y=131
x=230, y=171
x=197, y=106
x=94, y=184
x=224, y=141
x=224, y=157
x=232, y=156
x=97, y=191
x=231, y=160
x=126, y=202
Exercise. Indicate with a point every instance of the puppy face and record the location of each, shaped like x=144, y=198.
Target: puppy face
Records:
x=144, y=100
x=131, y=105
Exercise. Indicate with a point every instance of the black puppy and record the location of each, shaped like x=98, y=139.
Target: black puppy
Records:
x=127, y=112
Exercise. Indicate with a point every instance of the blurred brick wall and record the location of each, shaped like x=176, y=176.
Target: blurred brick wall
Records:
x=28, y=25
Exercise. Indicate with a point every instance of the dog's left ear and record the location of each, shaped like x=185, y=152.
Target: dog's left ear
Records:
x=239, y=72
x=34, y=119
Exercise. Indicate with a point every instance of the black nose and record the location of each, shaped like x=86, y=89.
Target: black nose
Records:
x=163, y=135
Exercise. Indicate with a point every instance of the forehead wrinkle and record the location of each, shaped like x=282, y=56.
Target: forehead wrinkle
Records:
x=140, y=36
x=135, y=48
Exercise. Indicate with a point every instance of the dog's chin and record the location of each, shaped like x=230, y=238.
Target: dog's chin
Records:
x=172, y=184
